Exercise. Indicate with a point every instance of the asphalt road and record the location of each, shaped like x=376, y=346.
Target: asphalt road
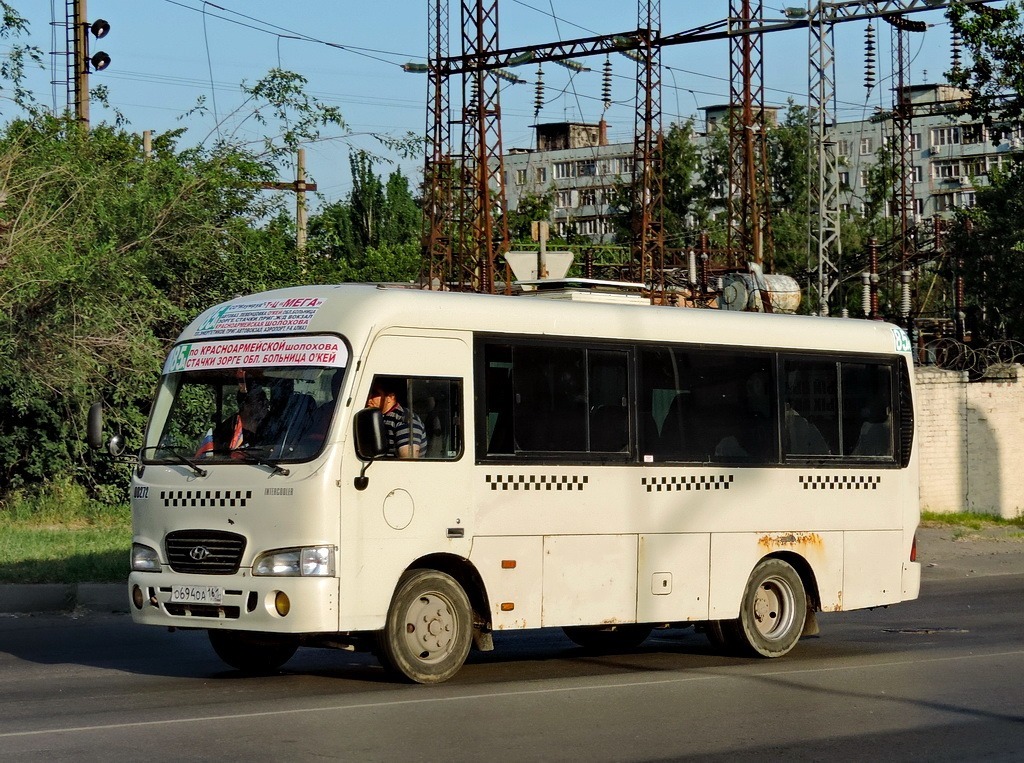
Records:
x=939, y=678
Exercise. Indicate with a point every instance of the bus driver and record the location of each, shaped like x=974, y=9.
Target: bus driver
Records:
x=406, y=436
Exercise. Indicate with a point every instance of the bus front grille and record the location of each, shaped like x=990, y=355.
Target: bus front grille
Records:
x=204, y=552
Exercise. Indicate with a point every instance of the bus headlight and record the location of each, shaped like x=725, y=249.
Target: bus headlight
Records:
x=310, y=561
x=144, y=558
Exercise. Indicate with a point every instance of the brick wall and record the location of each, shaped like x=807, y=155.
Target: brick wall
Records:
x=971, y=441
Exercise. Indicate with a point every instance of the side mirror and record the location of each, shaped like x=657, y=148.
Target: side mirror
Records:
x=370, y=439
x=94, y=432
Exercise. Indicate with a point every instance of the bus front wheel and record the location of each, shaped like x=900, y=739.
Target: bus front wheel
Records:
x=772, y=612
x=429, y=627
x=253, y=652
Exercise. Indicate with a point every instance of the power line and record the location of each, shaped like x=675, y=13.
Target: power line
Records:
x=265, y=27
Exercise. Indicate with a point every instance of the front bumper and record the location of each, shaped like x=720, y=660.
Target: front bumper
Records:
x=248, y=603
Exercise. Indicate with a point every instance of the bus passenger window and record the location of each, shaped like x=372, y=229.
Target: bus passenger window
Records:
x=546, y=399
x=867, y=409
x=811, y=425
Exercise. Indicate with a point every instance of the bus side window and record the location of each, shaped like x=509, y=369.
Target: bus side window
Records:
x=867, y=409
x=811, y=424
x=437, y=403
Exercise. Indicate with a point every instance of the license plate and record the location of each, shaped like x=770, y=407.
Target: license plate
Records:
x=197, y=594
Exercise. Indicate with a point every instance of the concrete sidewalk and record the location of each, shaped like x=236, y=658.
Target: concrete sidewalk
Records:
x=945, y=553
x=63, y=597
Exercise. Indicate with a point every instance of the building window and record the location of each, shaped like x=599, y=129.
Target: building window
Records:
x=563, y=198
x=844, y=180
x=541, y=174
x=588, y=197
x=915, y=142
x=945, y=136
x=867, y=146
x=864, y=177
x=843, y=147
x=917, y=174
x=587, y=168
x=565, y=170
x=972, y=134
x=520, y=176
x=946, y=170
x=624, y=165
x=919, y=207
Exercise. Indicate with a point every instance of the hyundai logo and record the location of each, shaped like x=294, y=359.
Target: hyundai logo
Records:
x=199, y=553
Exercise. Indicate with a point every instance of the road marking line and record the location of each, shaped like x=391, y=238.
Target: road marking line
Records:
x=492, y=695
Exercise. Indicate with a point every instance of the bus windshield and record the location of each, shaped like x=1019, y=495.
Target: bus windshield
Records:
x=244, y=400
x=237, y=415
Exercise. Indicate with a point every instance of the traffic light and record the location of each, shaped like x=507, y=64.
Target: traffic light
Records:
x=99, y=60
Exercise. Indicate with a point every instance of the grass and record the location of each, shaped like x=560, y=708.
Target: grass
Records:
x=59, y=535
x=969, y=519
x=968, y=524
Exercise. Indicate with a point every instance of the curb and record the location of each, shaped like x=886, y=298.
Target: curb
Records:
x=63, y=597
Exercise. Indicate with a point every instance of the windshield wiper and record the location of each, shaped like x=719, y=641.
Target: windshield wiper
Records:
x=196, y=469
x=247, y=455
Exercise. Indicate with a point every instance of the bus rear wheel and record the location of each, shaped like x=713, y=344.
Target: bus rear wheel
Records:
x=253, y=652
x=428, y=631
x=600, y=638
x=772, y=612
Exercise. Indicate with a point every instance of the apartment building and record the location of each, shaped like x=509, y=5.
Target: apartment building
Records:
x=951, y=158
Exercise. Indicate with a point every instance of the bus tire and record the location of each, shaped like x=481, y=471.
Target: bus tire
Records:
x=603, y=638
x=253, y=652
x=429, y=628
x=716, y=635
x=772, y=612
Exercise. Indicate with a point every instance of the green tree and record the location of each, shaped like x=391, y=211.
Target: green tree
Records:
x=989, y=239
x=371, y=236
x=107, y=255
x=994, y=74
x=532, y=207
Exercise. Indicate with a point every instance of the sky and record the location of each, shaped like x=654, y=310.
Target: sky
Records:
x=167, y=54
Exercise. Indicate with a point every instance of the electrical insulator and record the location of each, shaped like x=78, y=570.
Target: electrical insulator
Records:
x=955, y=51
x=692, y=267
x=905, y=293
x=865, y=294
x=606, y=83
x=869, y=57
x=538, y=95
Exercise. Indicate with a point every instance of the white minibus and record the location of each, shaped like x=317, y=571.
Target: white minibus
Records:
x=379, y=467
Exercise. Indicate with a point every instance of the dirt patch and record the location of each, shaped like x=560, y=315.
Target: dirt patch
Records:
x=947, y=551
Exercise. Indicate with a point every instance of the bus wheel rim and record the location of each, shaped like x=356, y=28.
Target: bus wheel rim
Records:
x=431, y=627
x=774, y=608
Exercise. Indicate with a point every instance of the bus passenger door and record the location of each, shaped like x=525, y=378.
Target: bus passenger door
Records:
x=415, y=501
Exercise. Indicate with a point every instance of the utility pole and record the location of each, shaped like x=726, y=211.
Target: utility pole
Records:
x=80, y=63
x=299, y=186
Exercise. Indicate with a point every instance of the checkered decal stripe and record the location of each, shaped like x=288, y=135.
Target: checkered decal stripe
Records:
x=535, y=482
x=837, y=482
x=693, y=482
x=201, y=499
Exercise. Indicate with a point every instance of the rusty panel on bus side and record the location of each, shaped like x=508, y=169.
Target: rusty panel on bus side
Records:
x=734, y=556
x=589, y=579
x=673, y=576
